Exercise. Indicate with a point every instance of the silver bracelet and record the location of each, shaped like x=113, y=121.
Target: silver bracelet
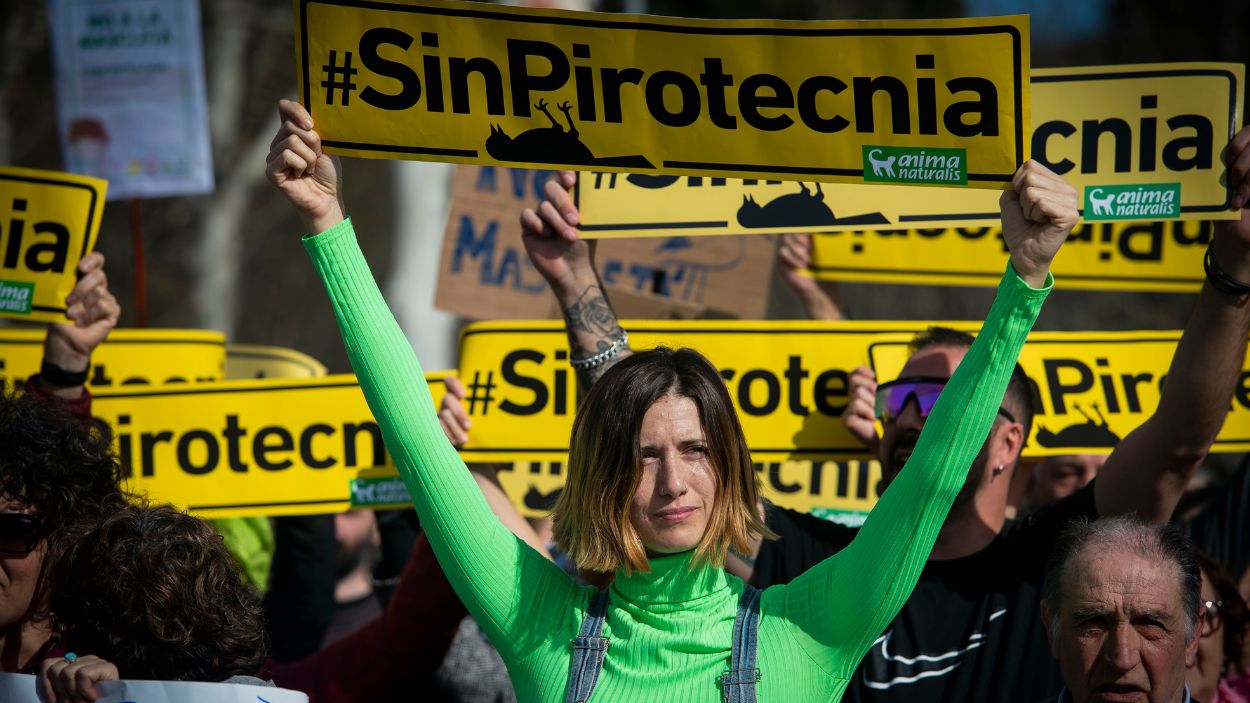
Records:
x=604, y=356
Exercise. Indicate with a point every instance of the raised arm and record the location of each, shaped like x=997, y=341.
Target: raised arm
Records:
x=1148, y=471
x=68, y=346
x=515, y=594
x=564, y=259
x=839, y=607
x=822, y=300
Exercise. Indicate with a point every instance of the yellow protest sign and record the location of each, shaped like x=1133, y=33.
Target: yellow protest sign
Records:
x=789, y=381
x=130, y=357
x=1144, y=133
x=48, y=222
x=255, y=361
x=1145, y=256
x=922, y=101
x=240, y=448
x=1095, y=388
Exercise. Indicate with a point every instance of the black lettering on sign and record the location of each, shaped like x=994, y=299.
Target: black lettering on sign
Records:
x=47, y=249
x=262, y=448
x=1187, y=143
x=1060, y=387
x=306, y=455
x=772, y=392
x=513, y=376
x=1242, y=392
x=765, y=101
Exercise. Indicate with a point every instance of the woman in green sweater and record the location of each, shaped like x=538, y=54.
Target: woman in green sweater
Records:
x=661, y=485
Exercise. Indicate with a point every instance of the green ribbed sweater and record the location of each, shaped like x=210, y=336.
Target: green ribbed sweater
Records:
x=670, y=629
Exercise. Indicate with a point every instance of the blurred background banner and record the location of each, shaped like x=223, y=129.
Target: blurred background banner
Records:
x=131, y=103
x=128, y=358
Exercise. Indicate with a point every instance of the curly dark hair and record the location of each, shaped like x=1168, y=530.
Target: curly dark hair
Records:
x=58, y=466
x=154, y=591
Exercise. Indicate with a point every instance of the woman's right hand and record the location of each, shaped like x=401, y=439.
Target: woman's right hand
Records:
x=74, y=681
x=308, y=177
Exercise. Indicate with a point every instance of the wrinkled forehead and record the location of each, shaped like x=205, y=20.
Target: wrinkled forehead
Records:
x=1110, y=580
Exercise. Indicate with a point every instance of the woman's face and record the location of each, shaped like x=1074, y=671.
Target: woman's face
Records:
x=1204, y=676
x=677, y=492
x=19, y=577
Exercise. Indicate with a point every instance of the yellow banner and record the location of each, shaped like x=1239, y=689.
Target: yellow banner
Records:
x=239, y=448
x=789, y=381
x=1101, y=127
x=48, y=222
x=253, y=361
x=945, y=102
x=130, y=357
x=1143, y=256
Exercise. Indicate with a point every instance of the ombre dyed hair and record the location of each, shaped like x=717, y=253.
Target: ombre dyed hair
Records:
x=591, y=516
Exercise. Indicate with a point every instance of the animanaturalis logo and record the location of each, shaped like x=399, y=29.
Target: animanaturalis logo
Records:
x=16, y=297
x=1150, y=201
x=909, y=164
x=378, y=491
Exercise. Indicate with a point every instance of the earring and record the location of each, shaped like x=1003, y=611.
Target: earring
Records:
x=998, y=470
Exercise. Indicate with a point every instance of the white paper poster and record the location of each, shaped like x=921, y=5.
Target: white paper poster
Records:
x=22, y=688
x=130, y=94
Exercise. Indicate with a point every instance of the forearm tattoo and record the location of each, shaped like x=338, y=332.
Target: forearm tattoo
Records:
x=592, y=328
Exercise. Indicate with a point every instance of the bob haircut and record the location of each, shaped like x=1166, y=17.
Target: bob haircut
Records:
x=605, y=467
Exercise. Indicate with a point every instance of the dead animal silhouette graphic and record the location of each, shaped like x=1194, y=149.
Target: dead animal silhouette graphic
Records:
x=1092, y=433
x=801, y=209
x=553, y=145
x=537, y=500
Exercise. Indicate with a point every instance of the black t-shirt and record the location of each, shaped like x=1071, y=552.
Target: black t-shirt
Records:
x=972, y=629
x=1222, y=529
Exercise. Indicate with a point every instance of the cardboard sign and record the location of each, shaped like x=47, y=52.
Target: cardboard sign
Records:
x=24, y=688
x=241, y=448
x=128, y=358
x=130, y=97
x=485, y=273
x=253, y=361
x=48, y=222
x=1145, y=256
x=1149, y=137
x=790, y=383
x=490, y=84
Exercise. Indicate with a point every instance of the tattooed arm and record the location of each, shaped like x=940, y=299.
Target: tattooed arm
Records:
x=564, y=259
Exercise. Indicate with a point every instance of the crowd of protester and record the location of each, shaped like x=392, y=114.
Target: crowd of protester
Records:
x=662, y=574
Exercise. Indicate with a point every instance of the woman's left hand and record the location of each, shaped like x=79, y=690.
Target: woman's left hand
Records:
x=74, y=681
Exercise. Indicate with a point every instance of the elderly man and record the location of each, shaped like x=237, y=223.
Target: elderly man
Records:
x=1120, y=605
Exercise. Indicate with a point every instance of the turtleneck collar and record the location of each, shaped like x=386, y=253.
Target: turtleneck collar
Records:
x=671, y=581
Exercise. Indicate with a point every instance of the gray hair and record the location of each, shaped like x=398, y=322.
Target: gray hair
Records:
x=1162, y=543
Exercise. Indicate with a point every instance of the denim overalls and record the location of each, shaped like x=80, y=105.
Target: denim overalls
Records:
x=737, y=684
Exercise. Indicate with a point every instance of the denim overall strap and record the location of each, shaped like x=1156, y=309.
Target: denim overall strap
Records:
x=589, y=649
x=738, y=683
